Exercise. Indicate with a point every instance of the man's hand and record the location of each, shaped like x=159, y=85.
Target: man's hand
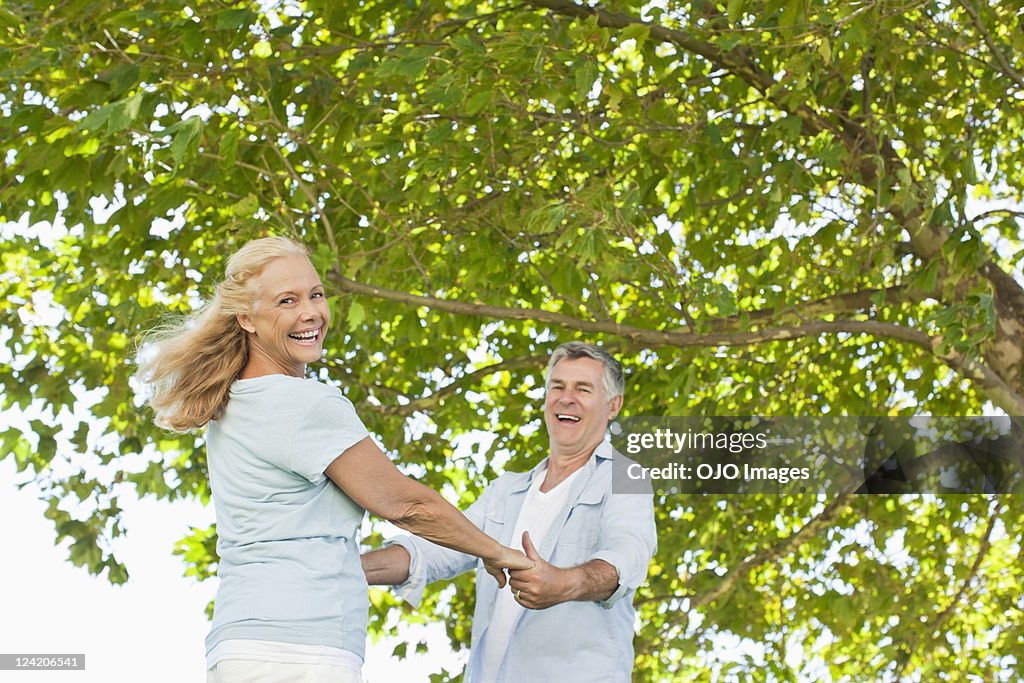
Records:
x=507, y=558
x=546, y=585
x=542, y=586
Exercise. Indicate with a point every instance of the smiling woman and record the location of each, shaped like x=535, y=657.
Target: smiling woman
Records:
x=287, y=324
x=292, y=472
x=190, y=365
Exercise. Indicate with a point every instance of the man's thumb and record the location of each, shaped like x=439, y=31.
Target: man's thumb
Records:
x=528, y=548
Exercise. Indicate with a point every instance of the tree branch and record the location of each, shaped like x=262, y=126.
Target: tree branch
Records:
x=994, y=386
x=785, y=548
x=433, y=400
x=642, y=335
x=1006, y=213
x=997, y=54
x=932, y=628
x=774, y=553
x=841, y=303
x=1001, y=393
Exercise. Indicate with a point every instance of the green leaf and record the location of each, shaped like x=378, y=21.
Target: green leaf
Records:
x=825, y=50
x=637, y=32
x=124, y=113
x=123, y=77
x=234, y=19
x=96, y=119
x=926, y=277
x=185, y=143
x=734, y=10
x=479, y=102
x=262, y=49
x=9, y=19
x=586, y=75
x=229, y=148
x=356, y=315
x=246, y=206
x=86, y=147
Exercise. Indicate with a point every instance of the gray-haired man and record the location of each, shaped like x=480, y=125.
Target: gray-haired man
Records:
x=571, y=616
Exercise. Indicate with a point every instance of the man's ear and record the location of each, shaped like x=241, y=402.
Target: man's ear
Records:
x=245, y=321
x=615, y=405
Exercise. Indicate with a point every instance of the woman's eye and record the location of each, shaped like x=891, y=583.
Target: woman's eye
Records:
x=318, y=295
x=287, y=300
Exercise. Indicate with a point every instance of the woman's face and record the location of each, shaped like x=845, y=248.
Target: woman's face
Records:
x=289, y=318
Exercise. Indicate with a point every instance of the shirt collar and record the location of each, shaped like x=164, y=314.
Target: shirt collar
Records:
x=604, y=451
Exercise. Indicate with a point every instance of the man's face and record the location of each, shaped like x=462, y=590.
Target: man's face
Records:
x=290, y=316
x=576, y=410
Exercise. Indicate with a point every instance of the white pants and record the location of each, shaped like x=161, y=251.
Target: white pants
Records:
x=256, y=671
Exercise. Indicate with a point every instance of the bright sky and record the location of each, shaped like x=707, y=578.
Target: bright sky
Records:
x=153, y=625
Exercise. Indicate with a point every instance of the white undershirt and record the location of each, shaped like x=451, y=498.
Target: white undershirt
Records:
x=282, y=653
x=538, y=512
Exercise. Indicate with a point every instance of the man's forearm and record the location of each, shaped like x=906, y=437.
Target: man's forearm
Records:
x=387, y=566
x=592, y=581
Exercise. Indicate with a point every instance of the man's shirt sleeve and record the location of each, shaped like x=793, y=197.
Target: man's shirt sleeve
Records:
x=429, y=562
x=627, y=541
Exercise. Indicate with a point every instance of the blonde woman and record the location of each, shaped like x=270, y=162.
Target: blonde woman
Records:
x=292, y=470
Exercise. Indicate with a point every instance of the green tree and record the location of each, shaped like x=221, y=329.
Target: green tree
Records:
x=775, y=207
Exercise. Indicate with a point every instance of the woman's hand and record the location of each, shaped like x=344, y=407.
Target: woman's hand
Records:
x=507, y=558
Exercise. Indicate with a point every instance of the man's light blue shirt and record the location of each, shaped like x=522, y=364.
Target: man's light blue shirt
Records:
x=572, y=642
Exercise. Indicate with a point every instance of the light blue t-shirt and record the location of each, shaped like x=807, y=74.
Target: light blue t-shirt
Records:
x=289, y=554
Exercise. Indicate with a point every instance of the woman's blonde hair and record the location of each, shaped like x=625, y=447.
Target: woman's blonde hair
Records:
x=190, y=364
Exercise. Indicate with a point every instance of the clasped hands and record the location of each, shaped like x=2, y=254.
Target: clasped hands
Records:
x=534, y=582
x=507, y=558
x=539, y=585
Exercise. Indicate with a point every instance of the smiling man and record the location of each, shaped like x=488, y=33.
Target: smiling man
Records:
x=570, y=617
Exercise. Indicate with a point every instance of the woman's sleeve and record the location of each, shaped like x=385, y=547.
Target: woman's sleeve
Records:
x=329, y=428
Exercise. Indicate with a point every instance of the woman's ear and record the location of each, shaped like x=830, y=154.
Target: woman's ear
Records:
x=245, y=321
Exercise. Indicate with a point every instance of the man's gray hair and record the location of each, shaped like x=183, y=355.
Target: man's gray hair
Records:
x=614, y=381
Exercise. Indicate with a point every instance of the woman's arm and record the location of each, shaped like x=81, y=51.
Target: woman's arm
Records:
x=369, y=478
